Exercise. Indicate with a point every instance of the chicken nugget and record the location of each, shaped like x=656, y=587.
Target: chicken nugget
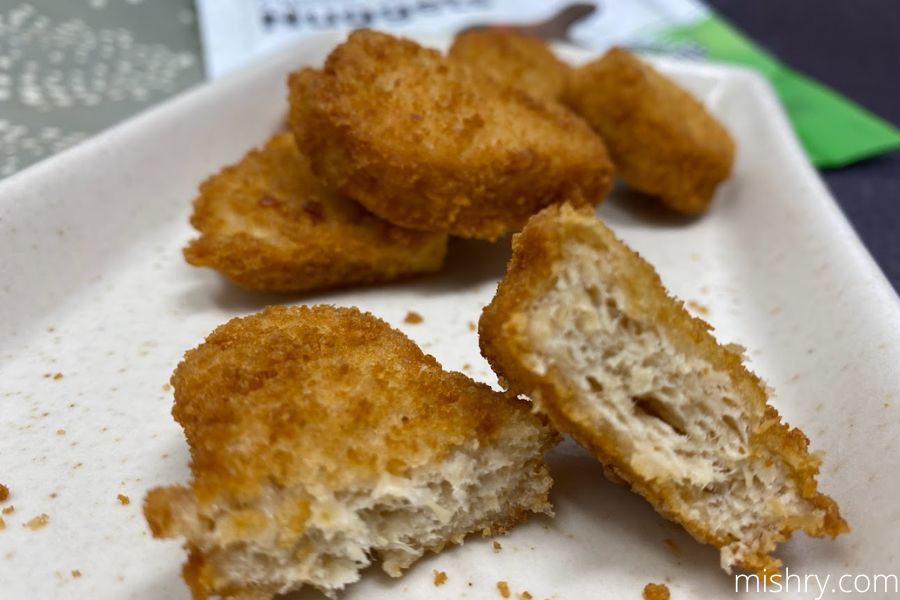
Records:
x=320, y=438
x=516, y=59
x=431, y=144
x=583, y=326
x=662, y=140
x=268, y=223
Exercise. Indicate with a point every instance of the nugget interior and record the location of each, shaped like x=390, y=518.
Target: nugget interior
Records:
x=584, y=326
x=397, y=519
x=321, y=439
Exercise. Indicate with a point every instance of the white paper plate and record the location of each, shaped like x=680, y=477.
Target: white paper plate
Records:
x=93, y=286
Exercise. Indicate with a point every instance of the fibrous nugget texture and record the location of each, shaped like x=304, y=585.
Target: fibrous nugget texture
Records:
x=584, y=326
x=321, y=438
x=268, y=223
x=431, y=144
x=662, y=140
x=515, y=59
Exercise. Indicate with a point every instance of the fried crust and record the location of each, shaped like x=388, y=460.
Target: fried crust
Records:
x=306, y=397
x=337, y=391
x=661, y=139
x=267, y=223
x=433, y=145
x=535, y=252
x=516, y=59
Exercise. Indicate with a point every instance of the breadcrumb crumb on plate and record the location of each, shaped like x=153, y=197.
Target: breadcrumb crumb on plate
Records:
x=656, y=591
x=38, y=522
x=503, y=589
x=413, y=318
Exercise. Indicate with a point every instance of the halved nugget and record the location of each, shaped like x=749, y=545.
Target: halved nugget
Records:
x=661, y=139
x=516, y=59
x=268, y=223
x=321, y=438
x=584, y=326
x=431, y=144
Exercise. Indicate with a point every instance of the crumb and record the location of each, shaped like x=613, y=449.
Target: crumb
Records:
x=2, y=523
x=466, y=367
x=123, y=499
x=413, y=318
x=503, y=588
x=525, y=596
x=9, y=510
x=76, y=573
x=166, y=387
x=4, y=492
x=656, y=591
x=77, y=465
x=58, y=376
x=671, y=545
x=472, y=326
x=38, y=522
x=440, y=578
x=60, y=432
x=497, y=547
x=698, y=308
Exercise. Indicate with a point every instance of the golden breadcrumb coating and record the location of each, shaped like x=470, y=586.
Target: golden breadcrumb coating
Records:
x=433, y=145
x=313, y=401
x=540, y=255
x=516, y=59
x=267, y=223
x=661, y=139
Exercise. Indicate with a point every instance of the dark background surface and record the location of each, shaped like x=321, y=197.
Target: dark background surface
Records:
x=853, y=47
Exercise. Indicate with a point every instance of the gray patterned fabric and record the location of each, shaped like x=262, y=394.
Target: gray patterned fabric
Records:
x=70, y=68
